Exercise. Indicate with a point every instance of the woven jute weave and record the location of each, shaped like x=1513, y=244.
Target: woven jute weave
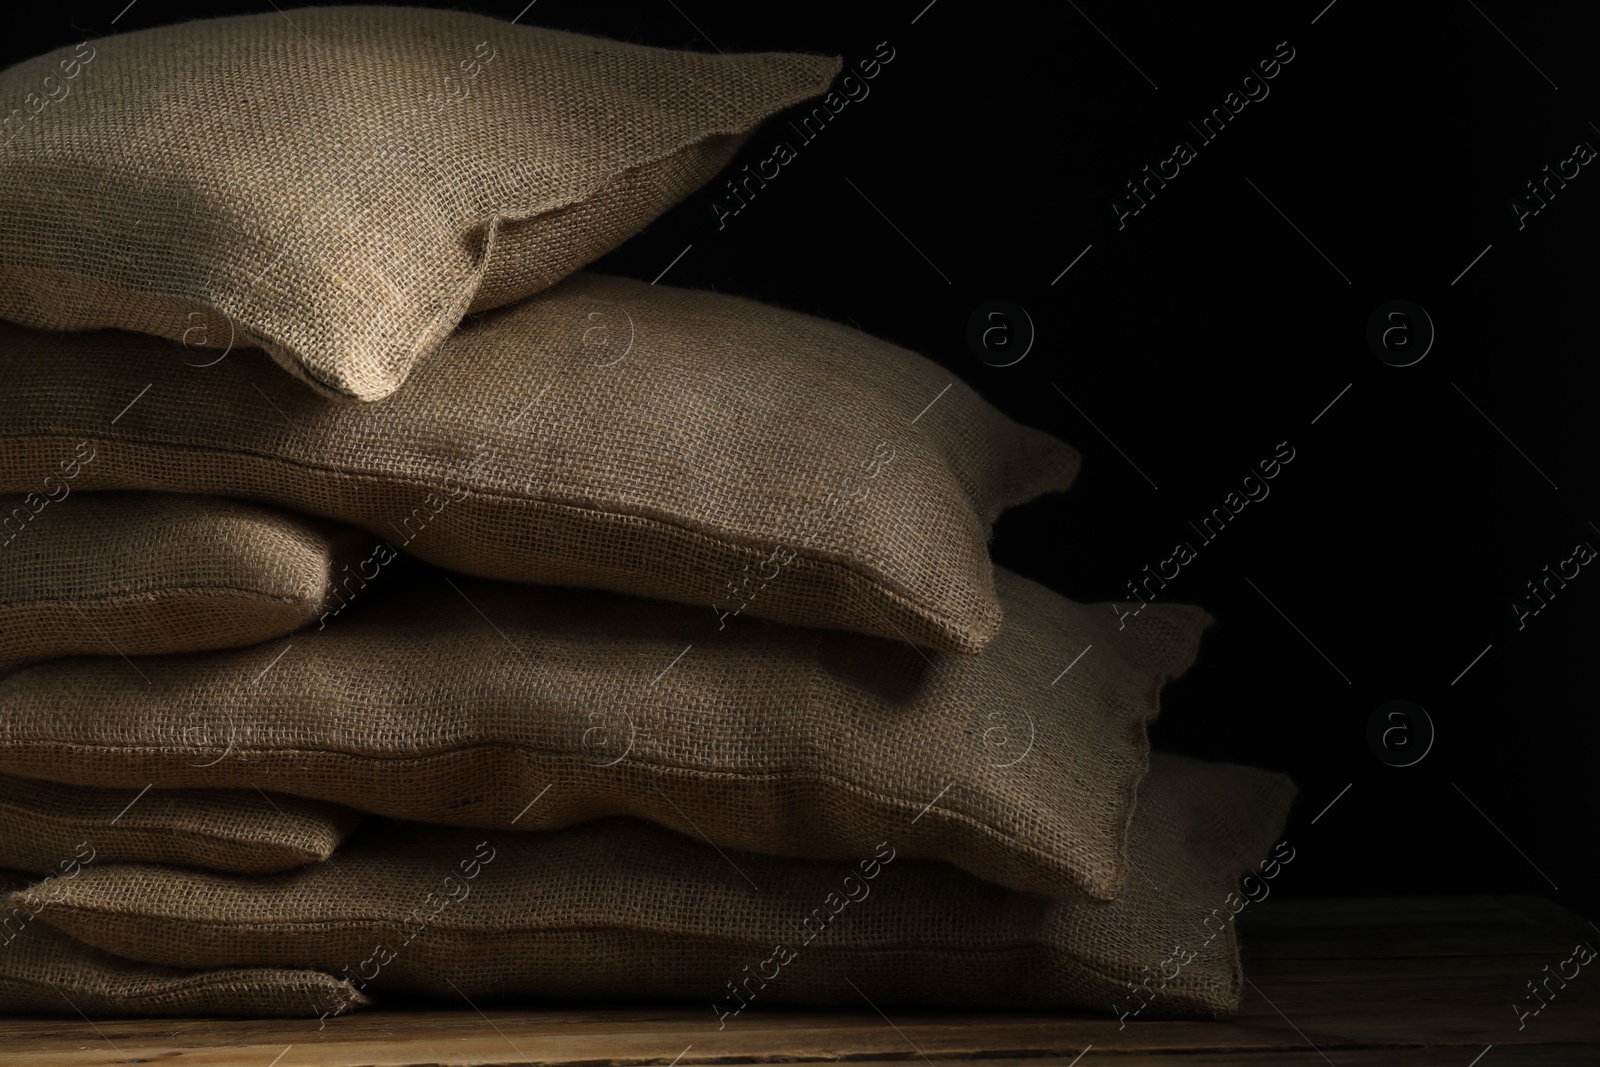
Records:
x=45, y=972
x=339, y=185
x=682, y=445
x=143, y=573
x=460, y=702
x=48, y=828
x=623, y=908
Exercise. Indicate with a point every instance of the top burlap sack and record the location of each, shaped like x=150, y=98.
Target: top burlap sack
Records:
x=659, y=442
x=340, y=185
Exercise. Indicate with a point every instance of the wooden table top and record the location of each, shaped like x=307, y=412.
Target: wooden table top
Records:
x=1367, y=982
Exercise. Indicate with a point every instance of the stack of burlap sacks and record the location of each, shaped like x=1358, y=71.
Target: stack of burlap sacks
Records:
x=553, y=635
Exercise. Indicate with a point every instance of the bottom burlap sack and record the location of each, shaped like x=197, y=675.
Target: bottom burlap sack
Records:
x=45, y=972
x=48, y=828
x=622, y=908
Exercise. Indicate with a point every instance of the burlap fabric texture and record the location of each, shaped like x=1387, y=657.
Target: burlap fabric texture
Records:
x=491, y=705
x=43, y=971
x=624, y=908
x=681, y=445
x=138, y=574
x=50, y=828
x=340, y=185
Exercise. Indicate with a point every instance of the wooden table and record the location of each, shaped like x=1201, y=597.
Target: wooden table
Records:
x=1352, y=983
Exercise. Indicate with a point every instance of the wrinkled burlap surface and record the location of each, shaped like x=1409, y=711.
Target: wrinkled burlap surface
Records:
x=340, y=185
x=459, y=702
x=49, y=828
x=43, y=971
x=137, y=574
x=624, y=908
x=682, y=445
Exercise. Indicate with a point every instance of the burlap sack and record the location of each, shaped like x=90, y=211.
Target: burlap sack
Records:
x=464, y=702
x=138, y=574
x=45, y=972
x=624, y=908
x=48, y=828
x=680, y=445
x=340, y=185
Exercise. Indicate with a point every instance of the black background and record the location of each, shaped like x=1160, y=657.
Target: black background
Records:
x=1216, y=323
